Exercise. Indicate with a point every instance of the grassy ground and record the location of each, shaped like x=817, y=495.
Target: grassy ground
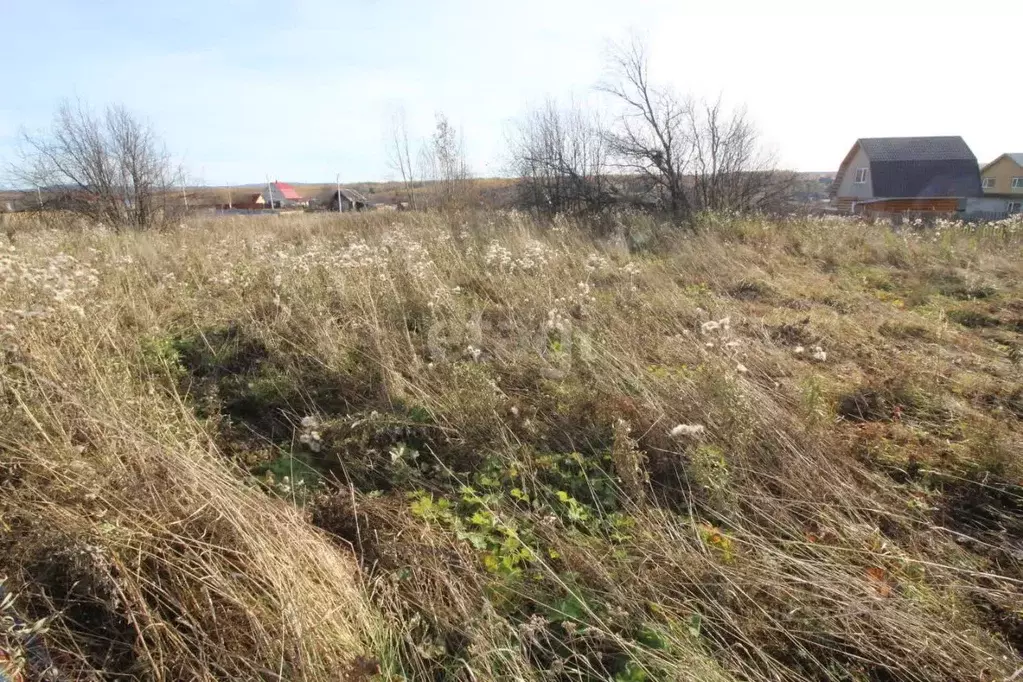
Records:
x=472, y=447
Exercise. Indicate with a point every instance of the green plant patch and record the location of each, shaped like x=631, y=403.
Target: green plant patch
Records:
x=973, y=319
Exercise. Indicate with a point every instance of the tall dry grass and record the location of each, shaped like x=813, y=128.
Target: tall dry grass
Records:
x=475, y=447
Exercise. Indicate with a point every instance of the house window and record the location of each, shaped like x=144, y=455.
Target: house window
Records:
x=861, y=176
x=989, y=183
x=1017, y=183
x=1014, y=206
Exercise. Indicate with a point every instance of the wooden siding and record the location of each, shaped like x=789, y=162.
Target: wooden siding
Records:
x=921, y=205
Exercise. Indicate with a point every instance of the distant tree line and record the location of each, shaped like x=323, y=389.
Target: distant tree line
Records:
x=657, y=150
x=661, y=151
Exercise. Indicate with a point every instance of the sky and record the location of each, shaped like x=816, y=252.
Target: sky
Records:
x=306, y=90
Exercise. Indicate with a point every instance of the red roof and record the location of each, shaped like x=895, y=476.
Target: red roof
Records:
x=287, y=191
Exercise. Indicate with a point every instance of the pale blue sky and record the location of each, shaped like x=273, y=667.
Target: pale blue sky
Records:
x=303, y=90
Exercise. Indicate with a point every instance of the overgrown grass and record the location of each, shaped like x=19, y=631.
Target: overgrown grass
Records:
x=472, y=447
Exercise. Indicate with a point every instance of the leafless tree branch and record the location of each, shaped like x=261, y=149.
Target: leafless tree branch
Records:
x=561, y=157
x=111, y=169
x=697, y=155
x=400, y=156
x=448, y=165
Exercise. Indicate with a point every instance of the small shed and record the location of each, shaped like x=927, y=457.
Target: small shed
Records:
x=346, y=199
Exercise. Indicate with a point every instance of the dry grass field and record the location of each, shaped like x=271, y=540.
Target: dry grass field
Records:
x=476, y=447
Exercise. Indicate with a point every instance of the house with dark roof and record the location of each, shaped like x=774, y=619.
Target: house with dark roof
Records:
x=346, y=199
x=1003, y=179
x=906, y=174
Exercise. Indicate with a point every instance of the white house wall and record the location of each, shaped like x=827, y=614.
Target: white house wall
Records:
x=849, y=188
x=984, y=205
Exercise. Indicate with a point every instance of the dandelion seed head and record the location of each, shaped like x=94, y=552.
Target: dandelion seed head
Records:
x=684, y=430
x=710, y=326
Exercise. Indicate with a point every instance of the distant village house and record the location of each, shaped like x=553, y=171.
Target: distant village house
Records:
x=283, y=195
x=276, y=195
x=907, y=175
x=345, y=199
x=1002, y=181
x=247, y=202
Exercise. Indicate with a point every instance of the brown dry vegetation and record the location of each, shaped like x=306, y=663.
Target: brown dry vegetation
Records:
x=469, y=447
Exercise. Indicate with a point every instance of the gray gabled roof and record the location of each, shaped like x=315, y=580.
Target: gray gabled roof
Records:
x=950, y=148
x=352, y=195
x=906, y=167
x=1018, y=158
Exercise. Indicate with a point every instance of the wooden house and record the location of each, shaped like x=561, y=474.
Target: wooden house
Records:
x=906, y=174
x=1002, y=181
x=345, y=199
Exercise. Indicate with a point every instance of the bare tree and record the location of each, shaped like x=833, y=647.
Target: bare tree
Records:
x=445, y=163
x=695, y=155
x=400, y=156
x=561, y=158
x=651, y=137
x=731, y=170
x=111, y=168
